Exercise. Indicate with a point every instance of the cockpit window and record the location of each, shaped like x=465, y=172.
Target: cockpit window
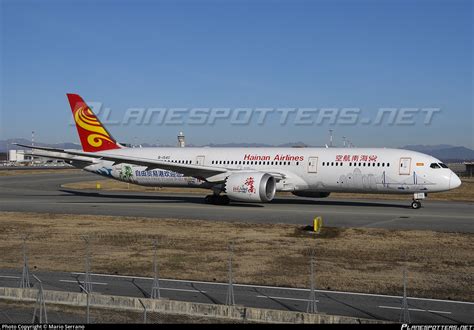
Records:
x=443, y=165
x=434, y=165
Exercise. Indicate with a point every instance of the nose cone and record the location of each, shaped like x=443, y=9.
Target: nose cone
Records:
x=454, y=181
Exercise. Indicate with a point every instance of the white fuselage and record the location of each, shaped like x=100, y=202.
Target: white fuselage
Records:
x=365, y=170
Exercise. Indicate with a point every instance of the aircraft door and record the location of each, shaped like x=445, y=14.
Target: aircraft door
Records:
x=404, y=166
x=200, y=160
x=312, y=164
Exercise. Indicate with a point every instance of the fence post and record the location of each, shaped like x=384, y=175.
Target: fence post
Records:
x=405, y=313
x=25, y=274
x=87, y=280
x=312, y=306
x=155, y=289
x=40, y=303
x=144, y=310
x=230, y=299
x=87, y=303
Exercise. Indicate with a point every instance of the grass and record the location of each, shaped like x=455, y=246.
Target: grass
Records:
x=440, y=265
x=464, y=193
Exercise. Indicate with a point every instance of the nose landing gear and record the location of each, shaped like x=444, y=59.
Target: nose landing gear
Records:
x=416, y=204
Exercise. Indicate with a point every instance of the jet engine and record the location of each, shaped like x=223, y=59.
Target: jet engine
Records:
x=250, y=187
x=311, y=193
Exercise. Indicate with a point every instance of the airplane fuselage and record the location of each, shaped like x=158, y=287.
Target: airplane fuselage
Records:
x=362, y=170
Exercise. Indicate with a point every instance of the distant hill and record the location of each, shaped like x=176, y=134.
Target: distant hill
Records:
x=447, y=153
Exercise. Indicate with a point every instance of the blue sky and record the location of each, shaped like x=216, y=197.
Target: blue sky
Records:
x=311, y=54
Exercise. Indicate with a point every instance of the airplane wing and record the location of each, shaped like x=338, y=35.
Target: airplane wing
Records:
x=208, y=173
x=61, y=155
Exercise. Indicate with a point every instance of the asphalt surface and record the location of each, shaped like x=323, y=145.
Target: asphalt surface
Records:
x=369, y=306
x=42, y=193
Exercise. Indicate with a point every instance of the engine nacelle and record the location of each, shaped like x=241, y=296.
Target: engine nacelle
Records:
x=310, y=193
x=250, y=187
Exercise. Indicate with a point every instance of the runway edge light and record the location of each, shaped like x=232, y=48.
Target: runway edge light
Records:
x=317, y=224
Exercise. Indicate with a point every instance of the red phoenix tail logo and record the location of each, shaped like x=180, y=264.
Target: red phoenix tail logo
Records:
x=94, y=137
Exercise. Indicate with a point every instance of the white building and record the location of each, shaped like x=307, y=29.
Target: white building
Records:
x=24, y=157
x=17, y=156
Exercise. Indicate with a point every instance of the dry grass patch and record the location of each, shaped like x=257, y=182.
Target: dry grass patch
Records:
x=440, y=265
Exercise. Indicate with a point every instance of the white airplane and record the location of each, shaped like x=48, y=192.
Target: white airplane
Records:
x=254, y=174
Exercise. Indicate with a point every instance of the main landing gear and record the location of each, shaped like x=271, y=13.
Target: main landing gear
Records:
x=416, y=204
x=217, y=199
